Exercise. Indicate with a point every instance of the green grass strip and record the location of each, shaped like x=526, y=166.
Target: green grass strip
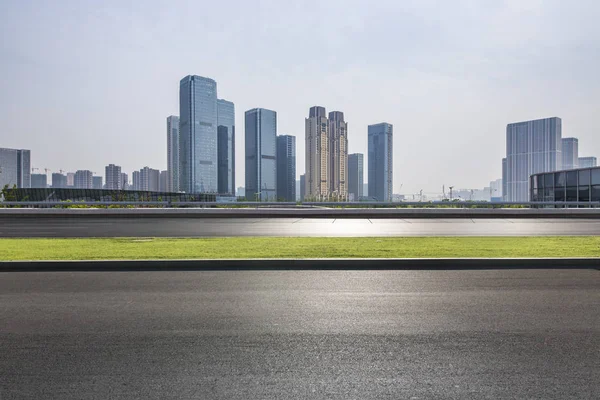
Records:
x=278, y=247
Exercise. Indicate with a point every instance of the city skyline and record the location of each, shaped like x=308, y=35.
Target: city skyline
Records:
x=449, y=75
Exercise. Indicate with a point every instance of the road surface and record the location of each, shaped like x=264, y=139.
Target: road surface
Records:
x=301, y=334
x=219, y=227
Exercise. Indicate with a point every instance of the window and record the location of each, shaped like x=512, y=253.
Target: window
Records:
x=560, y=179
x=559, y=194
x=572, y=193
x=571, y=178
x=548, y=180
x=596, y=193
x=584, y=193
x=540, y=181
x=584, y=177
x=596, y=176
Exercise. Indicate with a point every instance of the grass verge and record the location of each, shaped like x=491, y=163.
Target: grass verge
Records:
x=278, y=247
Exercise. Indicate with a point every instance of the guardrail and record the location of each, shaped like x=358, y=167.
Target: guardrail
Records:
x=250, y=204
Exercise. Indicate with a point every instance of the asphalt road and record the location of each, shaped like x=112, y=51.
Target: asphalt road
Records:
x=516, y=334
x=219, y=227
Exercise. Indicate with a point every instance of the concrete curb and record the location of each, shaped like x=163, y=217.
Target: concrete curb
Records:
x=302, y=264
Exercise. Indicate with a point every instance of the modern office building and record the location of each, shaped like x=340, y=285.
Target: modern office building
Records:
x=355, y=176
x=97, y=182
x=570, y=153
x=172, y=153
x=496, y=190
x=198, y=135
x=83, y=179
x=225, y=147
x=532, y=147
x=59, y=181
x=15, y=168
x=338, y=156
x=71, y=179
x=261, y=154
x=579, y=185
x=163, y=181
x=286, y=168
x=380, y=168
x=302, y=187
x=124, y=181
x=504, y=180
x=317, y=154
x=137, y=181
x=39, y=181
x=114, y=180
x=587, y=162
x=149, y=179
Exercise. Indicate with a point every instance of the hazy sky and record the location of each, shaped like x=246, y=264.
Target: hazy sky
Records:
x=85, y=83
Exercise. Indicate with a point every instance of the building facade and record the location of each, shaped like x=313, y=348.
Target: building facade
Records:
x=59, y=181
x=137, y=181
x=97, y=182
x=579, y=185
x=83, y=179
x=225, y=147
x=532, y=147
x=114, y=180
x=587, y=162
x=338, y=156
x=163, y=181
x=504, y=180
x=15, y=168
x=149, y=179
x=71, y=179
x=286, y=168
x=355, y=176
x=172, y=153
x=317, y=154
x=302, y=187
x=380, y=162
x=570, y=153
x=39, y=181
x=125, y=181
x=261, y=154
x=198, y=135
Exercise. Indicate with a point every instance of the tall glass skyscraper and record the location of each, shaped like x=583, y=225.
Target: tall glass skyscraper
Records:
x=286, y=168
x=226, y=146
x=198, y=135
x=381, y=161
x=532, y=147
x=261, y=154
x=570, y=153
x=338, y=155
x=355, y=176
x=172, y=153
x=15, y=168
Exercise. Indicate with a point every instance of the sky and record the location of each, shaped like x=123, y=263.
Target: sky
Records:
x=86, y=83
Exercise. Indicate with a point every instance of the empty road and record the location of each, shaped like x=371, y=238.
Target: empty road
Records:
x=61, y=226
x=301, y=334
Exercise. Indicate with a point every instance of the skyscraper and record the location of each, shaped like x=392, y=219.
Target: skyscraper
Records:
x=261, y=154
x=317, y=154
x=97, y=182
x=504, y=180
x=59, y=181
x=587, y=162
x=124, y=181
x=570, y=153
x=15, y=168
x=149, y=179
x=531, y=147
x=137, y=181
x=302, y=187
x=198, y=135
x=226, y=146
x=83, y=179
x=286, y=168
x=338, y=156
x=355, y=176
x=39, y=181
x=380, y=168
x=114, y=181
x=172, y=153
x=163, y=181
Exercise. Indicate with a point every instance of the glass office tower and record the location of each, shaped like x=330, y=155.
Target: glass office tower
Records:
x=286, y=168
x=380, y=163
x=261, y=154
x=198, y=134
x=226, y=146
